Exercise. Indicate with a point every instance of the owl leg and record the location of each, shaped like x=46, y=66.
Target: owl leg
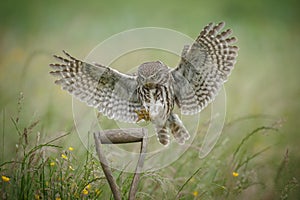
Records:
x=177, y=128
x=163, y=135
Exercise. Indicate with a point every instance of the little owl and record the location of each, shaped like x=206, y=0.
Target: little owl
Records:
x=153, y=91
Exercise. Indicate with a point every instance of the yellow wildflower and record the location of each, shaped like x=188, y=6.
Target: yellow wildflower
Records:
x=71, y=149
x=235, y=174
x=52, y=164
x=88, y=187
x=5, y=178
x=71, y=168
x=64, y=156
x=195, y=193
x=85, y=191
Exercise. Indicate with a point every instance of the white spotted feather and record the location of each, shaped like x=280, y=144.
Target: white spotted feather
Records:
x=111, y=92
x=203, y=69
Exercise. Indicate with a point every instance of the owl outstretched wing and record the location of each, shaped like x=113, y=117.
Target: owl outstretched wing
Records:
x=111, y=92
x=203, y=68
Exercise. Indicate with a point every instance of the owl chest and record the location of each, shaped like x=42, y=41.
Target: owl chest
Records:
x=158, y=101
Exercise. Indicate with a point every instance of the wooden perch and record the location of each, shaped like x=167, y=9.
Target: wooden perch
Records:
x=119, y=136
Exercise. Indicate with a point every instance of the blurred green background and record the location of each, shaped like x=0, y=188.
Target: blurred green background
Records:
x=265, y=79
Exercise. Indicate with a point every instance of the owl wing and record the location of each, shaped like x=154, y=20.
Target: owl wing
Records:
x=111, y=92
x=203, y=68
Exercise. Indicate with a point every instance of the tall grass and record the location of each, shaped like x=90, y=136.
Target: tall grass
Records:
x=49, y=170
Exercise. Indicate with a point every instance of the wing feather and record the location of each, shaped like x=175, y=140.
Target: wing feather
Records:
x=111, y=92
x=203, y=68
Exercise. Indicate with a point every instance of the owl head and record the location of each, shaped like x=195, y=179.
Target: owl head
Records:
x=151, y=74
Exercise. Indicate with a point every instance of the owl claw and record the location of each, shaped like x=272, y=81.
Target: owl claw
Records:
x=142, y=114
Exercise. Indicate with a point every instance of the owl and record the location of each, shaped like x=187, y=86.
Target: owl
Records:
x=152, y=93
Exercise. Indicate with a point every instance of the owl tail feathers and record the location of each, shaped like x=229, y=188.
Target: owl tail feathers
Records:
x=178, y=130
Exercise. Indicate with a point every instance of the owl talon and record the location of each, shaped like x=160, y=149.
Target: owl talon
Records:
x=143, y=114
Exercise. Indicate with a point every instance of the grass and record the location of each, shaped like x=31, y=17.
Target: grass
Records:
x=48, y=170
